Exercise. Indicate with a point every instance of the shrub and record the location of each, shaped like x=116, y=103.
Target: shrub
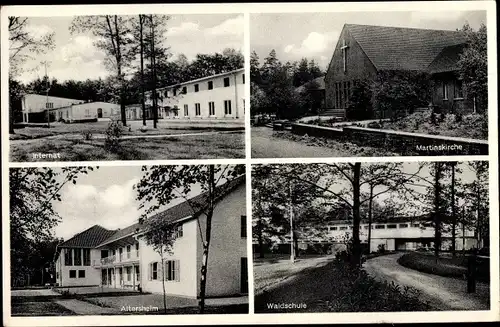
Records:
x=359, y=106
x=87, y=135
x=113, y=135
x=381, y=248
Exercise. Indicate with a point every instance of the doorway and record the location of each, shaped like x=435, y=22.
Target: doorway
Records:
x=99, y=113
x=244, y=275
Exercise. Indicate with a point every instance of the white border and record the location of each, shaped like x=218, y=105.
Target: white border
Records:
x=247, y=9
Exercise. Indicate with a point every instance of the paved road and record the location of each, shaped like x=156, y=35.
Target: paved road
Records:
x=264, y=145
x=442, y=292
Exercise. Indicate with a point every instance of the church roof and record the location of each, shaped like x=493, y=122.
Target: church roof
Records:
x=397, y=48
x=446, y=60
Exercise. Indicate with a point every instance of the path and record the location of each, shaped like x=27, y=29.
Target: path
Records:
x=442, y=292
x=264, y=145
x=85, y=308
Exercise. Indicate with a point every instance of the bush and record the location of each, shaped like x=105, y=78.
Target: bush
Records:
x=381, y=248
x=359, y=106
x=87, y=135
x=113, y=135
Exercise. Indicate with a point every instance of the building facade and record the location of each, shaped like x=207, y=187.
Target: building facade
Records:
x=363, y=51
x=35, y=106
x=124, y=259
x=217, y=97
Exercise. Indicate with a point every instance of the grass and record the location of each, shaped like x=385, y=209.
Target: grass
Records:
x=334, y=287
x=39, y=308
x=230, y=145
x=469, y=126
x=442, y=266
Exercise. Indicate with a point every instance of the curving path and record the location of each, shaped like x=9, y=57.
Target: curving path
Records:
x=442, y=293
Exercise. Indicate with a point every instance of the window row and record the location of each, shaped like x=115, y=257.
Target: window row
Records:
x=379, y=226
x=81, y=274
x=211, y=109
x=196, y=87
x=77, y=257
x=129, y=254
x=171, y=271
x=458, y=90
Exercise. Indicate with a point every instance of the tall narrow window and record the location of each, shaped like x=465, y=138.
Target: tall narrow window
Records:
x=445, y=90
x=211, y=108
x=197, y=110
x=68, y=257
x=458, y=90
x=154, y=270
x=243, y=226
x=226, y=81
x=120, y=251
x=196, y=87
x=243, y=78
x=210, y=85
x=227, y=107
x=86, y=257
x=186, y=110
x=184, y=90
x=172, y=272
x=78, y=257
x=129, y=248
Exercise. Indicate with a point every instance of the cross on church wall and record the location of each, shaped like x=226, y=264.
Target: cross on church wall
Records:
x=344, y=53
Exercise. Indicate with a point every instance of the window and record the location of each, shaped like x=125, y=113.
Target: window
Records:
x=197, y=110
x=176, y=111
x=243, y=226
x=226, y=81
x=129, y=248
x=120, y=251
x=184, y=90
x=211, y=108
x=178, y=231
x=403, y=225
x=172, y=270
x=86, y=257
x=243, y=78
x=392, y=226
x=379, y=226
x=128, y=271
x=49, y=105
x=137, y=250
x=67, y=114
x=227, y=107
x=153, y=271
x=334, y=228
x=366, y=227
x=137, y=273
x=81, y=273
x=210, y=85
x=165, y=94
x=415, y=225
x=343, y=228
x=445, y=91
x=78, y=257
x=428, y=225
x=57, y=275
x=68, y=258
x=175, y=92
x=186, y=110
x=197, y=87
x=72, y=274
x=458, y=91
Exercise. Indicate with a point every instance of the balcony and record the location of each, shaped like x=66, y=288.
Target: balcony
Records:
x=108, y=260
x=123, y=257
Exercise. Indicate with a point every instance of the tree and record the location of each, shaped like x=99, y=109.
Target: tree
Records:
x=473, y=65
x=477, y=201
x=162, y=184
x=359, y=106
x=32, y=192
x=22, y=44
x=114, y=37
x=139, y=34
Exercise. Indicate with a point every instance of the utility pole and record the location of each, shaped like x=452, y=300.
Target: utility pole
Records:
x=47, y=94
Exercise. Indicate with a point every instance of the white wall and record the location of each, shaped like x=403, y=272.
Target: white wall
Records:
x=234, y=92
x=87, y=111
x=184, y=250
x=37, y=103
x=92, y=273
x=227, y=246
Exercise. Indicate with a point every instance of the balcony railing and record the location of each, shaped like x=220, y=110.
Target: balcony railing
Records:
x=133, y=255
x=108, y=260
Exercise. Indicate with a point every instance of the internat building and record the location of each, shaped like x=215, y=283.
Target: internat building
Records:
x=363, y=51
x=218, y=97
x=122, y=258
x=35, y=108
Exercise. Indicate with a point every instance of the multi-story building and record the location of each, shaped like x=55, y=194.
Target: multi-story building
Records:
x=124, y=259
x=217, y=97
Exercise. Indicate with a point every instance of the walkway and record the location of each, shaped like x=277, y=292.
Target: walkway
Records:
x=443, y=293
x=85, y=308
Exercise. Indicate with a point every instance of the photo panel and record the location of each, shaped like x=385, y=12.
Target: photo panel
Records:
x=360, y=83
x=126, y=87
x=114, y=241
x=371, y=237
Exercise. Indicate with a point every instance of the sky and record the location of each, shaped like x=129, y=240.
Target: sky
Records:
x=314, y=35
x=75, y=56
x=104, y=197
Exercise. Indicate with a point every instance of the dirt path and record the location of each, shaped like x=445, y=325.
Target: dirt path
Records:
x=264, y=145
x=443, y=293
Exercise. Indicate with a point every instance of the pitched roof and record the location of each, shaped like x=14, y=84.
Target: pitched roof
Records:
x=397, y=48
x=447, y=59
x=89, y=238
x=183, y=210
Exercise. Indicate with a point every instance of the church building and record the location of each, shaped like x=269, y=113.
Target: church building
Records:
x=363, y=51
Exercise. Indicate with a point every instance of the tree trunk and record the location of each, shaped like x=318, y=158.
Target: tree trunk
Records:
x=259, y=229
x=153, y=71
x=143, y=102
x=206, y=244
x=163, y=279
x=370, y=217
x=437, y=209
x=120, y=75
x=453, y=211
x=356, y=255
x=478, y=222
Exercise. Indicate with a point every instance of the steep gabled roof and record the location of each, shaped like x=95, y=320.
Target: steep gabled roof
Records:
x=447, y=59
x=397, y=48
x=120, y=233
x=89, y=238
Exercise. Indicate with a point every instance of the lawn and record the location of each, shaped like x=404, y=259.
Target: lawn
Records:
x=213, y=146
x=39, y=308
x=473, y=126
